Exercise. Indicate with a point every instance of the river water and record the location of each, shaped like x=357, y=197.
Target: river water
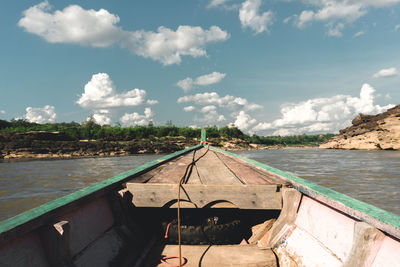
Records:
x=370, y=176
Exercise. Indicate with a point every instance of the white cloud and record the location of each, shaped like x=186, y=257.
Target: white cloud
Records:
x=396, y=27
x=210, y=115
x=207, y=109
x=47, y=114
x=286, y=20
x=100, y=92
x=102, y=117
x=244, y=121
x=384, y=73
x=217, y=3
x=76, y=25
x=304, y=19
x=2, y=112
x=250, y=17
x=73, y=24
x=168, y=46
x=132, y=119
x=189, y=108
x=151, y=102
x=214, y=77
x=224, y=4
x=336, y=13
x=188, y=83
x=212, y=98
x=211, y=105
x=335, y=30
x=322, y=114
x=357, y=34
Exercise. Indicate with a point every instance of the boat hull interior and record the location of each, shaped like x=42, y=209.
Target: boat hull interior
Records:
x=232, y=213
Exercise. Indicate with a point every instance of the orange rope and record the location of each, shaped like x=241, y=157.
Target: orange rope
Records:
x=164, y=260
x=179, y=205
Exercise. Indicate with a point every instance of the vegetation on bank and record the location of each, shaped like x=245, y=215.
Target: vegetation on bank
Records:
x=90, y=130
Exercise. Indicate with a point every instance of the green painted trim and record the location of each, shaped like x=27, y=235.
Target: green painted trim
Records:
x=203, y=135
x=313, y=190
x=34, y=213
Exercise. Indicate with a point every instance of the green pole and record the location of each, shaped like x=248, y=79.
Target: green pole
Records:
x=203, y=135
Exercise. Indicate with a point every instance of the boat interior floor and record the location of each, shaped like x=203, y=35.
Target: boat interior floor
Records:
x=212, y=255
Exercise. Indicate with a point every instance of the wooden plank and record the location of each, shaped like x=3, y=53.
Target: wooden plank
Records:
x=381, y=219
x=242, y=196
x=245, y=172
x=213, y=171
x=220, y=255
x=174, y=171
x=29, y=220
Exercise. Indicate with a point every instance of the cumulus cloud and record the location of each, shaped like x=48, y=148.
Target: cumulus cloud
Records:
x=73, y=24
x=2, y=112
x=212, y=98
x=244, y=121
x=168, y=46
x=100, y=92
x=210, y=115
x=250, y=17
x=133, y=119
x=100, y=95
x=99, y=28
x=336, y=13
x=47, y=114
x=384, y=73
x=322, y=114
x=101, y=117
x=211, y=109
x=188, y=83
x=189, y=108
x=396, y=27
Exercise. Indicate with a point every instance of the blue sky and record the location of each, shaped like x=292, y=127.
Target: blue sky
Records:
x=269, y=67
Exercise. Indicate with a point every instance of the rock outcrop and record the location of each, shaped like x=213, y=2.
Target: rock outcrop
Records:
x=370, y=132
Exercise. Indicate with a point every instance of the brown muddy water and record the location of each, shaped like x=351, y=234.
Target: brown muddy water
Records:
x=370, y=176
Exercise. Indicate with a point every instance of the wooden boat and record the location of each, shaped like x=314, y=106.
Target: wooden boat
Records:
x=249, y=213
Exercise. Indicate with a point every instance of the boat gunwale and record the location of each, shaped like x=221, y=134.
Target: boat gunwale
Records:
x=33, y=218
x=379, y=218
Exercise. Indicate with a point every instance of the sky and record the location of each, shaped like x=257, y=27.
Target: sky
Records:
x=278, y=67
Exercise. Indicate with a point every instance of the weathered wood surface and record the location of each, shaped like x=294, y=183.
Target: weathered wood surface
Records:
x=213, y=171
x=223, y=255
x=242, y=196
x=246, y=172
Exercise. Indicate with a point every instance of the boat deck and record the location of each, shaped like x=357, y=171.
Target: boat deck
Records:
x=244, y=186
x=214, y=168
x=217, y=255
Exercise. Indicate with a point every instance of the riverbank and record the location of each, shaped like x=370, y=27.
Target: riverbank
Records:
x=370, y=132
x=56, y=146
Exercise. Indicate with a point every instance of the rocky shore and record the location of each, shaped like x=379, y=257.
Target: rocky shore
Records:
x=370, y=132
x=58, y=145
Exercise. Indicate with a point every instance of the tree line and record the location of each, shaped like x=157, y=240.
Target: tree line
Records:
x=91, y=130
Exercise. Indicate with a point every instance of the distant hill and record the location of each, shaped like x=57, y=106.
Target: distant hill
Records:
x=370, y=132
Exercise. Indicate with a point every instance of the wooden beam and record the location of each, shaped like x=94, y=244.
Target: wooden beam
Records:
x=213, y=171
x=201, y=195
